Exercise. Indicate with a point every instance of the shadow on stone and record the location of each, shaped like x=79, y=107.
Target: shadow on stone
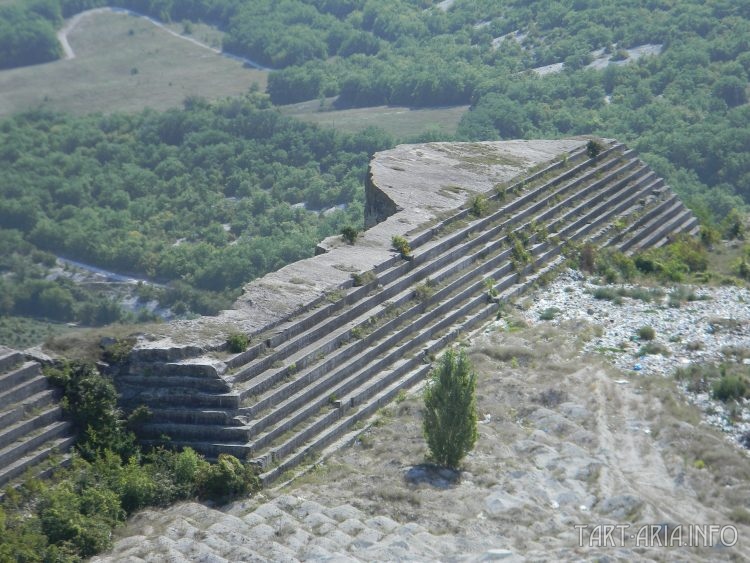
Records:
x=433, y=475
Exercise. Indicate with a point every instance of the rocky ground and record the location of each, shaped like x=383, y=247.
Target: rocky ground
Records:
x=568, y=444
x=692, y=325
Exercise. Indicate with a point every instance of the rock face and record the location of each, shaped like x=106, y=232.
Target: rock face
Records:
x=336, y=336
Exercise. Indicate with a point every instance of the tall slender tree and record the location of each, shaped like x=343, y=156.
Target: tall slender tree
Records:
x=450, y=418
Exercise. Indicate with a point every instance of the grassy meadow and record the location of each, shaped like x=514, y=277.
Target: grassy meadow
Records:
x=125, y=63
x=401, y=122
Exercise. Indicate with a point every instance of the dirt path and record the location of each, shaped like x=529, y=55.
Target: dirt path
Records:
x=70, y=25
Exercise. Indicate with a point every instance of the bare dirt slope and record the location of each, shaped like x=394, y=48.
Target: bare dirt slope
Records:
x=565, y=441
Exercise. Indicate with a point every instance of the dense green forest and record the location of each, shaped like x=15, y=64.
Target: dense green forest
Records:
x=208, y=196
x=27, y=34
x=685, y=109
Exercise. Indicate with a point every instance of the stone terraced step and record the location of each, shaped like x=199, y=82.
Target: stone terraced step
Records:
x=665, y=212
x=30, y=459
x=16, y=411
x=430, y=250
x=167, y=398
x=328, y=380
x=9, y=358
x=18, y=375
x=23, y=391
x=635, y=227
x=458, y=247
x=198, y=432
x=10, y=434
x=667, y=226
x=31, y=442
x=278, y=413
x=185, y=382
x=202, y=417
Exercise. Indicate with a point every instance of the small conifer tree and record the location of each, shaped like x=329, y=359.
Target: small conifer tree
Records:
x=450, y=418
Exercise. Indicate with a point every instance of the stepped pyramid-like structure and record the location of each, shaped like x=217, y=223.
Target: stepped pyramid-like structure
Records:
x=325, y=352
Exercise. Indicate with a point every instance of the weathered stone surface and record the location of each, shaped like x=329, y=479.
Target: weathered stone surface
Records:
x=416, y=183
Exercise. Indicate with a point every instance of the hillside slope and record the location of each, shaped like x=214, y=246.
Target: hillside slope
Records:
x=565, y=441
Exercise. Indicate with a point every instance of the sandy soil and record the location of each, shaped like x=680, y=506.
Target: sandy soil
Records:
x=567, y=445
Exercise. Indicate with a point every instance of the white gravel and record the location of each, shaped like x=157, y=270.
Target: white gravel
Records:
x=718, y=319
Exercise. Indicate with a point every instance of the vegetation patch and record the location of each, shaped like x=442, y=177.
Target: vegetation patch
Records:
x=237, y=342
x=450, y=417
x=72, y=516
x=401, y=245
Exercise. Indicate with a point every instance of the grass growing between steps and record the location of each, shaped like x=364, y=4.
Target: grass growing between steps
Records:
x=71, y=516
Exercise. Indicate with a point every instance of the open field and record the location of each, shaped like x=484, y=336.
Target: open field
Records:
x=125, y=63
x=401, y=122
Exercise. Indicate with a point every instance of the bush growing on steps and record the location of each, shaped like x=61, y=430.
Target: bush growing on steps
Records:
x=685, y=255
x=73, y=516
x=450, y=415
x=227, y=478
x=90, y=401
x=594, y=148
x=237, y=342
x=401, y=244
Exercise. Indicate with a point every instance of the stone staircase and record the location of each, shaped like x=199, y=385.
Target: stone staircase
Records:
x=308, y=380
x=32, y=428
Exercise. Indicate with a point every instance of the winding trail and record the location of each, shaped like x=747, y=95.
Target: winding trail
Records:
x=70, y=25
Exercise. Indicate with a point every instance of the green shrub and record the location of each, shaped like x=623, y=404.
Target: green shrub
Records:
x=90, y=400
x=733, y=225
x=363, y=279
x=520, y=254
x=594, y=148
x=237, y=342
x=401, y=244
x=605, y=293
x=729, y=387
x=646, y=333
x=489, y=285
x=697, y=376
x=479, y=205
x=349, y=234
x=228, y=478
x=587, y=257
x=709, y=236
x=63, y=521
x=118, y=351
x=653, y=348
x=423, y=291
x=549, y=314
x=742, y=269
x=450, y=418
x=674, y=261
